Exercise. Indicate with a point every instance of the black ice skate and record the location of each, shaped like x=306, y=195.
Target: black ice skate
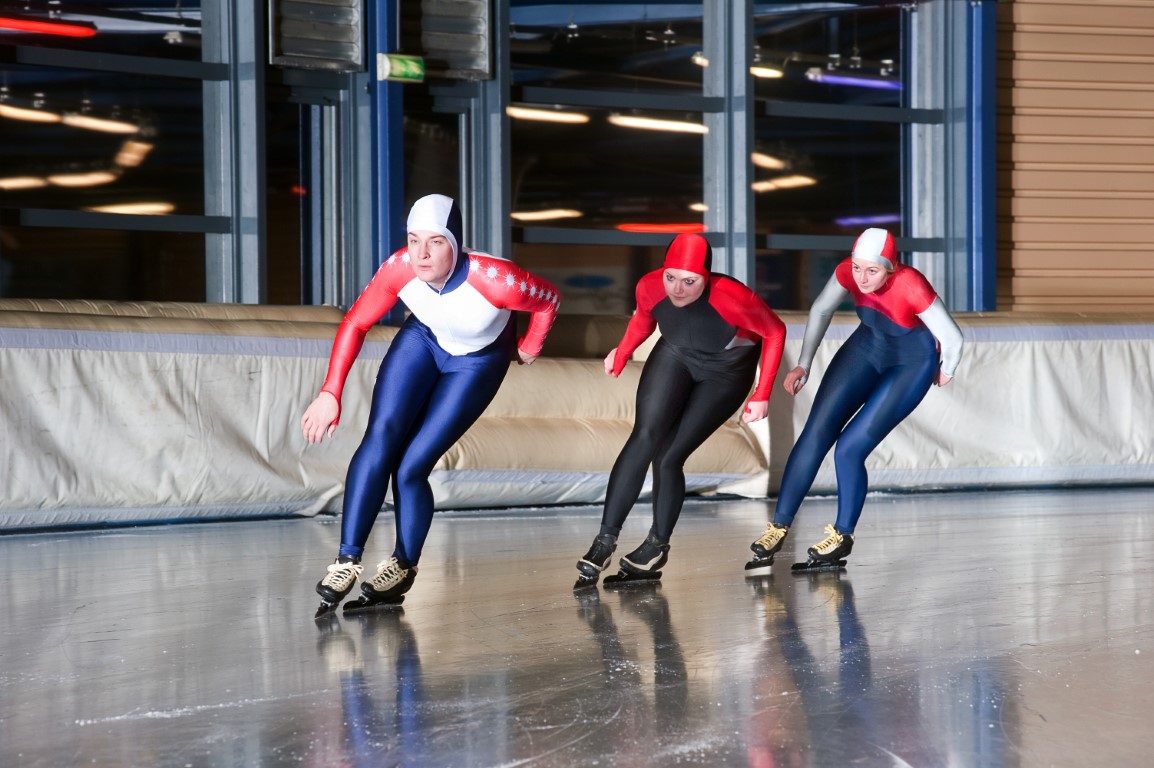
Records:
x=828, y=554
x=384, y=591
x=338, y=582
x=767, y=546
x=642, y=564
x=595, y=560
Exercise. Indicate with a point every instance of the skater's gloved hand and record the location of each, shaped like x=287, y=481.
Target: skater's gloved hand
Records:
x=609, y=360
x=320, y=417
x=795, y=380
x=755, y=410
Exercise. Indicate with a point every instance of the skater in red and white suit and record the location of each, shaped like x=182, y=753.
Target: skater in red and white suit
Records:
x=906, y=343
x=715, y=332
x=441, y=371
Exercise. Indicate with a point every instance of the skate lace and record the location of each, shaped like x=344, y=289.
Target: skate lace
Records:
x=772, y=535
x=389, y=573
x=827, y=544
x=341, y=575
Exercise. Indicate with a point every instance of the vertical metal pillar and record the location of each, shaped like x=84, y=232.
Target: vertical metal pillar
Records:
x=728, y=145
x=486, y=186
x=386, y=121
x=982, y=140
x=234, y=151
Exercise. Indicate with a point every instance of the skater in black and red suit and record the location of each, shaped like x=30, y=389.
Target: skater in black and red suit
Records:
x=715, y=332
x=906, y=343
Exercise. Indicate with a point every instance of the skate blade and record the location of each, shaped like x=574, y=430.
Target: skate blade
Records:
x=759, y=562
x=626, y=579
x=816, y=566
x=324, y=610
x=361, y=605
x=584, y=582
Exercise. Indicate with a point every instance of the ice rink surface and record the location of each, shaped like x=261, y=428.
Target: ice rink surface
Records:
x=970, y=629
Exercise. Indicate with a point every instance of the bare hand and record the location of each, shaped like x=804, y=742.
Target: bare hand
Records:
x=524, y=359
x=609, y=359
x=320, y=417
x=795, y=380
x=943, y=379
x=755, y=410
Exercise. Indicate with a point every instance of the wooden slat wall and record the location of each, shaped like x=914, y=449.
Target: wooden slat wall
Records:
x=1075, y=155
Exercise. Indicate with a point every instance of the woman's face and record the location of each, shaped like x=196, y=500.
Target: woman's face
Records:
x=683, y=287
x=432, y=257
x=869, y=275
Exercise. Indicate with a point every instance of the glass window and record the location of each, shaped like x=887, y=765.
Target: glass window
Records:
x=845, y=55
x=607, y=45
x=46, y=262
x=159, y=28
x=86, y=140
x=616, y=169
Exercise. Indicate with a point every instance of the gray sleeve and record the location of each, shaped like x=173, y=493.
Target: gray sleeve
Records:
x=820, y=315
x=937, y=318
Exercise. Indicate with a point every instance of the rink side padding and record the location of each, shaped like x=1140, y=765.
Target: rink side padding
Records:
x=138, y=412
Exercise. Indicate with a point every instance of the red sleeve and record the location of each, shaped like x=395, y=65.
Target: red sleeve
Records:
x=507, y=286
x=745, y=310
x=642, y=324
x=378, y=298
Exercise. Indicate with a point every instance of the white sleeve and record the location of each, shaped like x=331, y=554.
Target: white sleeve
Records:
x=937, y=318
x=820, y=315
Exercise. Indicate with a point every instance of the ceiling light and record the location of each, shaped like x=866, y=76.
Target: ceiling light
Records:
x=783, y=182
x=82, y=29
x=90, y=123
x=29, y=115
x=547, y=215
x=698, y=207
x=769, y=162
x=663, y=229
x=818, y=75
x=132, y=153
x=139, y=209
x=22, y=182
x=762, y=71
x=653, y=124
x=88, y=179
x=546, y=115
x=868, y=221
x=699, y=59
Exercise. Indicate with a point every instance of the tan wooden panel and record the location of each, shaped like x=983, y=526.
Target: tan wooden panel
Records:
x=1083, y=15
x=1076, y=305
x=1025, y=151
x=1025, y=260
x=1034, y=125
x=1106, y=74
x=1086, y=97
x=1135, y=42
x=1081, y=181
x=1083, y=232
x=1076, y=207
x=1097, y=288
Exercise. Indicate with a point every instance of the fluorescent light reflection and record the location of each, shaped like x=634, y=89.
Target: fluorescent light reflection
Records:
x=23, y=182
x=698, y=207
x=89, y=123
x=769, y=162
x=819, y=75
x=653, y=124
x=766, y=72
x=868, y=221
x=547, y=215
x=91, y=179
x=132, y=153
x=546, y=115
x=784, y=182
x=139, y=209
x=28, y=115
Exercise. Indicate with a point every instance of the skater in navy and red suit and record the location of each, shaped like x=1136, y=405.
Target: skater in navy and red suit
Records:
x=441, y=370
x=905, y=343
x=714, y=334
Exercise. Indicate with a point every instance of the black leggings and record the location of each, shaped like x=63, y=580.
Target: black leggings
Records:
x=680, y=403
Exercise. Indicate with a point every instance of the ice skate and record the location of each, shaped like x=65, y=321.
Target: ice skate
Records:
x=338, y=582
x=767, y=546
x=595, y=560
x=385, y=590
x=828, y=554
x=642, y=564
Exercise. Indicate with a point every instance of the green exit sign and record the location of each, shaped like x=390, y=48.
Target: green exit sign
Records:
x=400, y=68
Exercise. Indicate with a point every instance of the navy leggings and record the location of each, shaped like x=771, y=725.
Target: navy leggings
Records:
x=680, y=403
x=424, y=401
x=881, y=380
